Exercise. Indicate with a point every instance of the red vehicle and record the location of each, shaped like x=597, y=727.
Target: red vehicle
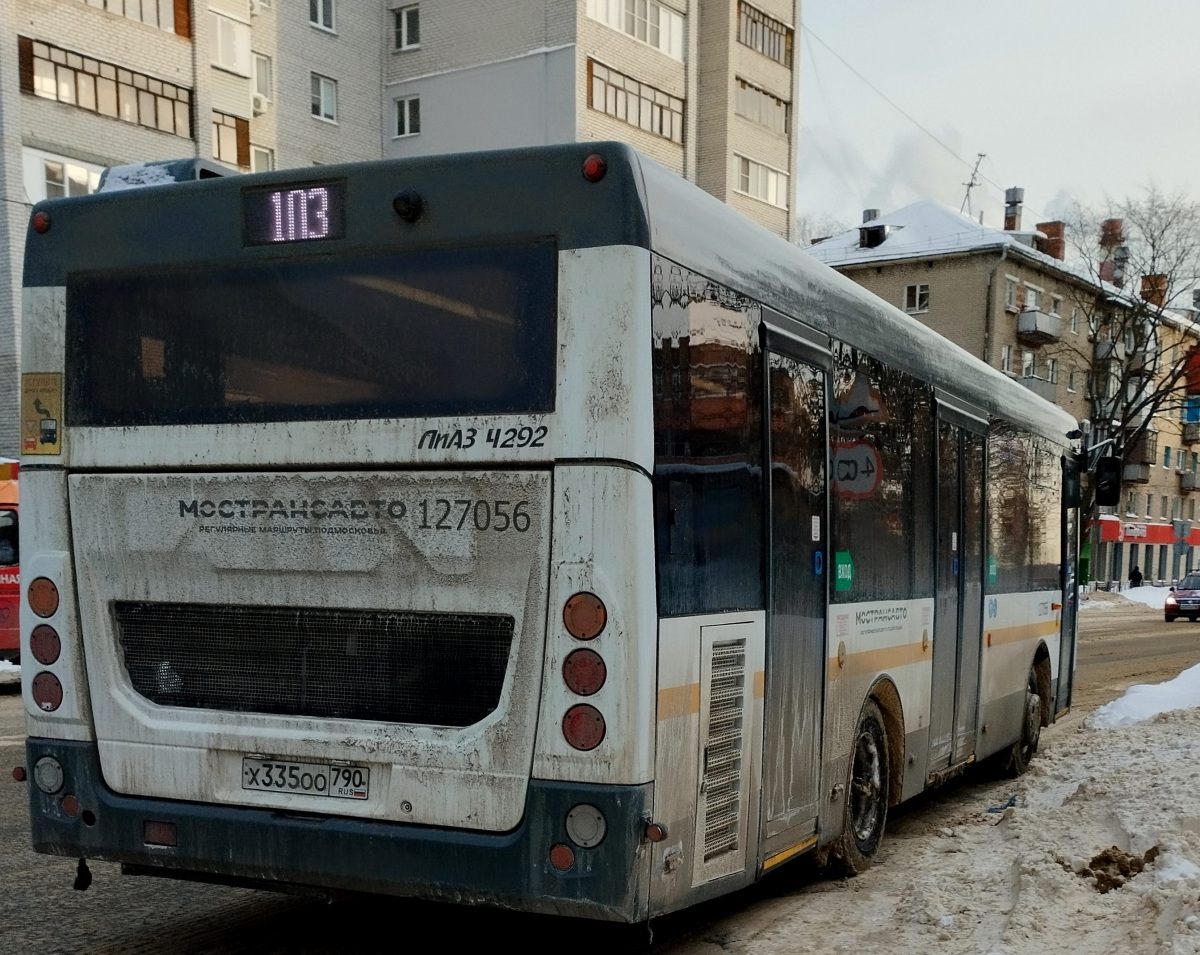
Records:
x=10, y=569
x=1184, y=600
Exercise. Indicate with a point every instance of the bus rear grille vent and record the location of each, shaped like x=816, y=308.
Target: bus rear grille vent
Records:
x=436, y=669
x=723, y=749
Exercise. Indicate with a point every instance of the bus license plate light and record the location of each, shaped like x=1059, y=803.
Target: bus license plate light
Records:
x=307, y=779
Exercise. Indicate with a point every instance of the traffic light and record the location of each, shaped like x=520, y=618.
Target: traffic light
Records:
x=1108, y=481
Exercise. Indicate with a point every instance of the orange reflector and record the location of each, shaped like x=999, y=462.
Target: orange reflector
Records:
x=41, y=222
x=19, y=774
x=561, y=857
x=594, y=168
x=656, y=831
x=43, y=597
x=70, y=805
x=156, y=833
x=584, y=616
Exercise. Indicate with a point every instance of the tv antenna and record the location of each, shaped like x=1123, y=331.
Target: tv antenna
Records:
x=966, y=203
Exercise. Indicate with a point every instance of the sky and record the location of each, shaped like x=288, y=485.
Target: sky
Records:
x=1069, y=99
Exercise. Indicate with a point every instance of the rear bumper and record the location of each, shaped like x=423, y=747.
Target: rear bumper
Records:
x=512, y=869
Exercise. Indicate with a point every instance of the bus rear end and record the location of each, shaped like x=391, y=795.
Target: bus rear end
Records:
x=339, y=568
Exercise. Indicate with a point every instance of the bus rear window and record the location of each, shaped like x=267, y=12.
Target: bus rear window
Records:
x=412, y=334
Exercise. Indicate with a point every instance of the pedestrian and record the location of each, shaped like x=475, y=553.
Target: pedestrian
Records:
x=1135, y=577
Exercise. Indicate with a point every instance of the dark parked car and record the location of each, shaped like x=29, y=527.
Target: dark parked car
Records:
x=1184, y=599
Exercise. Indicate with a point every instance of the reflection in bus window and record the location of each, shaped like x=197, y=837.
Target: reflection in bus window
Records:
x=707, y=444
x=10, y=552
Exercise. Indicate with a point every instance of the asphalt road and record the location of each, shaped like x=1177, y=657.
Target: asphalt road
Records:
x=40, y=912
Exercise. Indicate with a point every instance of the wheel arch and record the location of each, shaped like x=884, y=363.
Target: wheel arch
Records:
x=1041, y=671
x=887, y=698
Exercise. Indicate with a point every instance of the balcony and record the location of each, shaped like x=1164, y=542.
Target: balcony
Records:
x=1191, y=432
x=1140, y=363
x=1039, y=386
x=1143, y=450
x=1188, y=481
x=1110, y=351
x=1136, y=474
x=1038, y=328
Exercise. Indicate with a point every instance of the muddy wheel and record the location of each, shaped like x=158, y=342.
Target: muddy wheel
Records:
x=1192, y=619
x=866, y=794
x=1031, y=729
x=1169, y=619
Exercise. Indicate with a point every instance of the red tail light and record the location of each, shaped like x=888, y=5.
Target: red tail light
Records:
x=594, y=168
x=44, y=644
x=47, y=692
x=584, y=671
x=43, y=597
x=583, y=727
x=584, y=616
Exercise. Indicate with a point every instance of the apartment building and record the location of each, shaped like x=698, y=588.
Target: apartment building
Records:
x=1009, y=297
x=252, y=84
x=708, y=90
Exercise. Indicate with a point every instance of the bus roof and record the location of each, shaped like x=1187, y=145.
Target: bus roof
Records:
x=515, y=194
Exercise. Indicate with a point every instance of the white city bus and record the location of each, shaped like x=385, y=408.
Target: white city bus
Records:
x=523, y=528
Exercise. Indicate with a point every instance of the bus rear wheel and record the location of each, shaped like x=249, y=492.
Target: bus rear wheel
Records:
x=1031, y=729
x=866, y=795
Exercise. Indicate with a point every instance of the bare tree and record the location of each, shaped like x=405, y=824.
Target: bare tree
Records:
x=816, y=226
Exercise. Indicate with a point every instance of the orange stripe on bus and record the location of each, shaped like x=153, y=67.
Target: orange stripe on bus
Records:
x=1026, y=631
x=678, y=701
x=760, y=684
x=872, y=661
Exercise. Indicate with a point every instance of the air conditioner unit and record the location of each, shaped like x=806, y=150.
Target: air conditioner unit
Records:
x=260, y=104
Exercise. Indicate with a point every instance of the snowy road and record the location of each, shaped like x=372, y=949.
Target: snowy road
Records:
x=951, y=876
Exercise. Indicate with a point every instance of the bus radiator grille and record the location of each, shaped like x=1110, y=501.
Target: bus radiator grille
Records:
x=722, y=784
x=434, y=669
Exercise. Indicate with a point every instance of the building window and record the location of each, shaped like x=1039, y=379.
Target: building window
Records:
x=1162, y=511
x=408, y=116
x=1052, y=370
x=1195, y=461
x=1028, y=364
x=762, y=182
x=264, y=81
x=1006, y=356
x=324, y=97
x=408, y=27
x=54, y=73
x=1149, y=504
x=1176, y=508
x=765, y=34
x=1131, y=504
x=644, y=20
x=1010, y=294
x=759, y=106
x=49, y=176
x=320, y=14
x=1071, y=378
x=154, y=13
x=1056, y=305
x=262, y=159
x=635, y=103
x=1167, y=456
x=1074, y=321
x=231, y=139
x=231, y=45
x=916, y=298
x=1191, y=512
x=1033, y=298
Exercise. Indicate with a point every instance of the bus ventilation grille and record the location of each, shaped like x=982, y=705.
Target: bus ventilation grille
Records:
x=437, y=669
x=723, y=750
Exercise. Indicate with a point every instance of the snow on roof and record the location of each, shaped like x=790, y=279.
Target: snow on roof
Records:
x=136, y=174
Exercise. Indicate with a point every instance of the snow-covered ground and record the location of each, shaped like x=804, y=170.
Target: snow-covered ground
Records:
x=1152, y=597
x=1099, y=852
x=9, y=673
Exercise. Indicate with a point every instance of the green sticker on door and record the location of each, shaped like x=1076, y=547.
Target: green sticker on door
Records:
x=843, y=570
x=991, y=569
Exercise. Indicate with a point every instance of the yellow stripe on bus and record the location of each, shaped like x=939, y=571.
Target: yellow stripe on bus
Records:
x=1026, y=631
x=678, y=701
x=872, y=661
x=788, y=853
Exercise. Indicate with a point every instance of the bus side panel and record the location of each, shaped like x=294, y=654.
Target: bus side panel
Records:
x=1014, y=626
x=869, y=643
x=680, y=874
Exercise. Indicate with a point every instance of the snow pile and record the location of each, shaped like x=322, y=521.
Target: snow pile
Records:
x=9, y=673
x=1099, y=853
x=1144, y=702
x=1152, y=597
x=137, y=174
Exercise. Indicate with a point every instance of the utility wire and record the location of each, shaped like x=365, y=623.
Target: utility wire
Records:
x=903, y=112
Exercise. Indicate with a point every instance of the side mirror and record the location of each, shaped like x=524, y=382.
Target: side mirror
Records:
x=1172, y=590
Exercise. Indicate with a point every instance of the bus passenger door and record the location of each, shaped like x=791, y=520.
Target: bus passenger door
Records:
x=797, y=450
x=974, y=459
x=945, y=612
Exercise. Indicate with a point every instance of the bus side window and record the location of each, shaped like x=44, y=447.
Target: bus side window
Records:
x=9, y=539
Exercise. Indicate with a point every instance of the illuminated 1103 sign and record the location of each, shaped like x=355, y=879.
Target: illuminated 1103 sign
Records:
x=297, y=213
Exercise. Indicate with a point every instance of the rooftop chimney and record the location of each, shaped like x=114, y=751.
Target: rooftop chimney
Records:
x=1154, y=290
x=1013, y=199
x=1054, y=245
x=1113, y=255
x=1110, y=233
x=869, y=214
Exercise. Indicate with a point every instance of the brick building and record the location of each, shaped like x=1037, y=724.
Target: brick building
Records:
x=1009, y=297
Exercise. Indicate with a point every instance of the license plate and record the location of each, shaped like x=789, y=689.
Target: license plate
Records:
x=308, y=779
x=1188, y=604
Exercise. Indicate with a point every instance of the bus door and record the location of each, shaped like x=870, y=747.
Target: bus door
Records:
x=958, y=605
x=797, y=450
x=1070, y=604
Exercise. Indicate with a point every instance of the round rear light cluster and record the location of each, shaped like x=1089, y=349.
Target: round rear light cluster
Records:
x=44, y=644
x=584, y=671
x=584, y=616
x=583, y=726
x=46, y=691
x=43, y=597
